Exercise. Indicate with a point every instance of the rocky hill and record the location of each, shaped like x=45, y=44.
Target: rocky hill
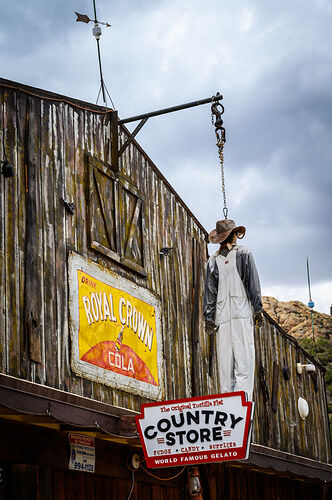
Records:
x=295, y=318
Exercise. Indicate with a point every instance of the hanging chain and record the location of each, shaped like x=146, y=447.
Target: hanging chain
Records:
x=220, y=144
x=221, y=139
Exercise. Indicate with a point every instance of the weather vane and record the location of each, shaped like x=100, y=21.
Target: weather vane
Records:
x=96, y=31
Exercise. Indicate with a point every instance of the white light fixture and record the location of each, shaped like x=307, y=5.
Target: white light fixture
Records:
x=135, y=461
x=307, y=368
x=303, y=408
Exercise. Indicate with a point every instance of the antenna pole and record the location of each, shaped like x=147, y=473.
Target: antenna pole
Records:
x=102, y=85
x=308, y=275
x=94, y=8
x=310, y=303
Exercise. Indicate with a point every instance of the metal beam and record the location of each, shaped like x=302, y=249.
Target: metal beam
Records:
x=217, y=97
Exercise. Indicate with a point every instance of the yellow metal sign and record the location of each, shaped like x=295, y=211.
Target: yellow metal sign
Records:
x=115, y=329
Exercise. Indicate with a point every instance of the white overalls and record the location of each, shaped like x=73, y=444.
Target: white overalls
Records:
x=235, y=335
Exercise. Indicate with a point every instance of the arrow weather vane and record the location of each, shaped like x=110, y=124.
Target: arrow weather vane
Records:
x=83, y=18
x=96, y=31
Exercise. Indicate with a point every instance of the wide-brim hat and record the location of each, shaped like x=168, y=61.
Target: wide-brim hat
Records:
x=223, y=229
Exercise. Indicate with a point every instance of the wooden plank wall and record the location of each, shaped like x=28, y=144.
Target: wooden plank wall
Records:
x=45, y=455
x=234, y=483
x=48, y=143
x=283, y=427
x=29, y=481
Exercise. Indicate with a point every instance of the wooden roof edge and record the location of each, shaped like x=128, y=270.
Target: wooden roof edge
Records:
x=45, y=94
x=46, y=393
x=265, y=457
x=294, y=341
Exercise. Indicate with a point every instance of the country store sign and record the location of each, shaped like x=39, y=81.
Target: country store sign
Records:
x=197, y=430
x=115, y=329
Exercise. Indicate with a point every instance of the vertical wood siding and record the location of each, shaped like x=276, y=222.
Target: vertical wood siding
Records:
x=284, y=429
x=49, y=143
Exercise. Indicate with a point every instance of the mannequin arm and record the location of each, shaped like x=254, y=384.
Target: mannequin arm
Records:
x=210, y=294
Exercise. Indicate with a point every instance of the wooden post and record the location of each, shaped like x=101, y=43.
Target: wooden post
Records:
x=32, y=295
x=114, y=140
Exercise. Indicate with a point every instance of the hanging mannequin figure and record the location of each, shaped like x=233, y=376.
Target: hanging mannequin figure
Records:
x=232, y=304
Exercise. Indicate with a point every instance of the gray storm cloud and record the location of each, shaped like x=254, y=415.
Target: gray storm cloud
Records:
x=271, y=61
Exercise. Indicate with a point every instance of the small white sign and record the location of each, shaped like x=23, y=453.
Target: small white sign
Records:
x=82, y=453
x=196, y=430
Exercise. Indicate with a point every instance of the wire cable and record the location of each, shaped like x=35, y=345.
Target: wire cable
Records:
x=162, y=478
x=122, y=436
x=132, y=484
x=102, y=83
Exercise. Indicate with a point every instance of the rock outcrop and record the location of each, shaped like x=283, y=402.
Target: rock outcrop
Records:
x=295, y=318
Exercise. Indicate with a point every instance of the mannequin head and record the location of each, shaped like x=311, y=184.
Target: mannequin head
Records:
x=230, y=241
x=225, y=228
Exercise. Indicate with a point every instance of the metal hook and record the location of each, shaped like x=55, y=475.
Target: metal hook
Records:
x=218, y=122
x=215, y=110
x=220, y=134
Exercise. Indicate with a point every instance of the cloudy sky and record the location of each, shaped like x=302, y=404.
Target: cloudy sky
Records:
x=272, y=61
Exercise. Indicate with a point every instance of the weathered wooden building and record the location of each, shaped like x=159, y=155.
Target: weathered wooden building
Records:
x=97, y=249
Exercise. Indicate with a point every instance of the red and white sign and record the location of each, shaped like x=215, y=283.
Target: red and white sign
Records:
x=82, y=453
x=196, y=430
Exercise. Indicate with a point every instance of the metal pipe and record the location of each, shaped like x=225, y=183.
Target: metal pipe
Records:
x=312, y=326
x=217, y=97
x=94, y=8
x=310, y=303
x=308, y=276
